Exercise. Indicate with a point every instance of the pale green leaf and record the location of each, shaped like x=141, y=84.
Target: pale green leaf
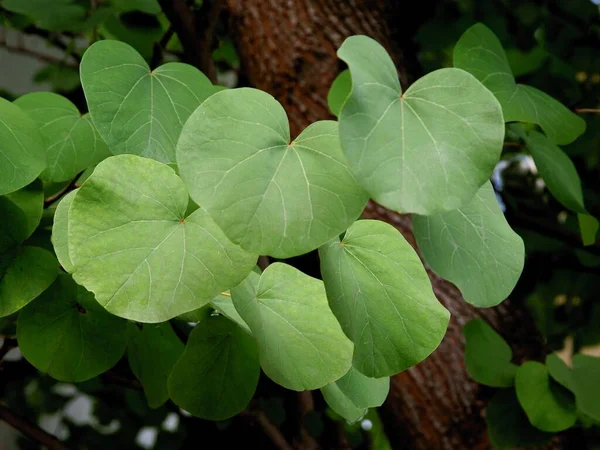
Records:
x=339, y=92
x=71, y=141
x=508, y=425
x=426, y=150
x=301, y=344
x=216, y=376
x=474, y=248
x=22, y=156
x=354, y=393
x=585, y=375
x=60, y=232
x=588, y=227
x=152, y=352
x=30, y=200
x=133, y=246
x=557, y=170
x=559, y=371
x=270, y=195
x=549, y=406
x=66, y=334
x=380, y=293
x=55, y=15
x=487, y=355
x=223, y=304
x=136, y=110
x=480, y=52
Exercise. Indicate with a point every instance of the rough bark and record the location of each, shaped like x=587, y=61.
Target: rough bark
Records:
x=287, y=48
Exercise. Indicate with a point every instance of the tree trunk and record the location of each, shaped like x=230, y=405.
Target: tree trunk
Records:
x=287, y=48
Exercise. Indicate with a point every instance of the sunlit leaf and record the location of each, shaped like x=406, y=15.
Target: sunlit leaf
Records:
x=60, y=232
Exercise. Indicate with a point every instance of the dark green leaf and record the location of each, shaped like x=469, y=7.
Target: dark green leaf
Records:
x=585, y=375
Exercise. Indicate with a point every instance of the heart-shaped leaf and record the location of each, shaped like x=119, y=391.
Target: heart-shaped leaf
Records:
x=136, y=110
x=475, y=239
x=152, y=352
x=380, y=293
x=66, y=334
x=270, y=195
x=301, y=344
x=480, y=53
x=487, y=355
x=216, y=376
x=22, y=156
x=549, y=406
x=60, y=232
x=133, y=246
x=426, y=150
x=71, y=141
x=353, y=394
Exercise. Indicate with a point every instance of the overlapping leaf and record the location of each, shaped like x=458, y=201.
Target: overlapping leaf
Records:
x=22, y=156
x=66, y=334
x=60, y=232
x=487, y=355
x=216, y=376
x=549, y=406
x=301, y=345
x=480, y=52
x=473, y=247
x=381, y=295
x=132, y=244
x=71, y=141
x=426, y=150
x=134, y=109
x=152, y=352
x=352, y=395
x=268, y=194
x=585, y=373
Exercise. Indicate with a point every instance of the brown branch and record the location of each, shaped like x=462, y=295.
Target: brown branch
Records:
x=54, y=40
x=30, y=430
x=587, y=110
x=22, y=50
x=270, y=430
x=68, y=188
x=196, y=36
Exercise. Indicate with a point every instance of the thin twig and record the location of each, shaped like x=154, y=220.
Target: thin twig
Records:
x=270, y=430
x=68, y=188
x=587, y=110
x=37, y=55
x=30, y=430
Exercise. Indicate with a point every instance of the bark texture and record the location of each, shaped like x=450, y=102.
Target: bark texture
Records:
x=287, y=48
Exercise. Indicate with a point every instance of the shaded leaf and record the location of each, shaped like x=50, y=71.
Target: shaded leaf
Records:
x=588, y=227
x=475, y=239
x=585, y=374
x=339, y=92
x=559, y=371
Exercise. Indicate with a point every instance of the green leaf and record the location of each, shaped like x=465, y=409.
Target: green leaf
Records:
x=55, y=15
x=480, y=53
x=147, y=6
x=22, y=156
x=223, y=304
x=354, y=393
x=427, y=150
x=549, y=406
x=301, y=344
x=487, y=355
x=557, y=170
x=24, y=271
x=30, y=200
x=66, y=334
x=586, y=372
x=380, y=293
x=508, y=425
x=217, y=374
x=339, y=92
x=270, y=195
x=71, y=141
x=60, y=232
x=588, y=227
x=474, y=248
x=136, y=110
x=133, y=246
x=559, y=371
x=152, y=352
